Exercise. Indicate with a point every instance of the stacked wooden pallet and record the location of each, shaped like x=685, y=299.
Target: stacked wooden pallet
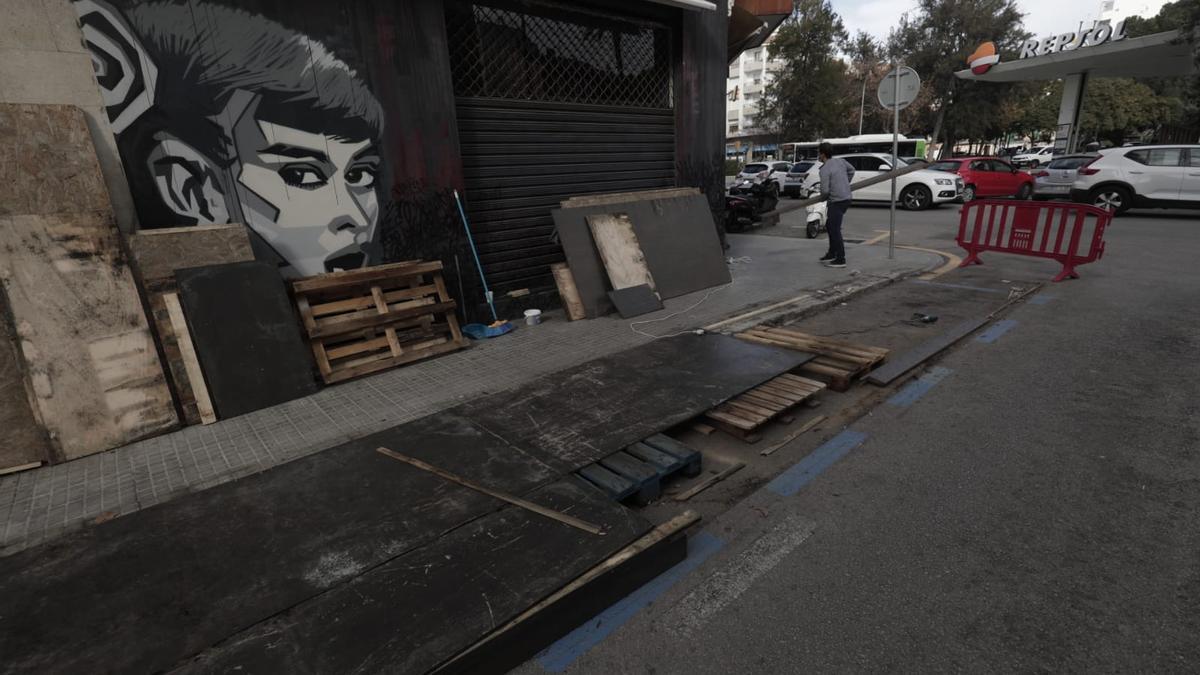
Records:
x=364, y=321
x=840, y=363
x=744, y=415
x=637, y=471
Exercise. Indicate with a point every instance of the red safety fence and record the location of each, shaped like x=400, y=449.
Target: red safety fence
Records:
x=1054, y=230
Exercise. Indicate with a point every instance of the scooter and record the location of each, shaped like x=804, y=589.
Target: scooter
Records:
x=747, y=200
x=814, y=215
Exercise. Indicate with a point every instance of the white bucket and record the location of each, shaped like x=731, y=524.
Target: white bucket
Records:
x=533, y=317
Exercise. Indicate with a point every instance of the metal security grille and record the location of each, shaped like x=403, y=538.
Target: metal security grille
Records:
x=535, y=52
x=553, y=103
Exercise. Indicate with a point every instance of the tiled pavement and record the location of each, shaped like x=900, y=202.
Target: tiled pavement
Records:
x=41, y=504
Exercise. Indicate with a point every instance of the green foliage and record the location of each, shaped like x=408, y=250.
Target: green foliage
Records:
x=733, y=167
x=1115, y=109
x=808, y=97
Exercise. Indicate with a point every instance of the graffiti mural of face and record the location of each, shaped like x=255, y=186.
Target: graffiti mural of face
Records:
x=223, y=115
x=312, y=197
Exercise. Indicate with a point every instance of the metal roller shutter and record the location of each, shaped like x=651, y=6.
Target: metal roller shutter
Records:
x=553, y=103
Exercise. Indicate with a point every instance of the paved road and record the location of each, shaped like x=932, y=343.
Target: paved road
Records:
x=1031, y=503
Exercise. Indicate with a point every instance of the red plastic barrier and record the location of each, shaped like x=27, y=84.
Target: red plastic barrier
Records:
x=1041, y=229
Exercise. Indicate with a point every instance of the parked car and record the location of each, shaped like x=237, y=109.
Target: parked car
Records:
x=776, y=172
x=801, y=177
x=921, y=189
x=1159, y=176
x=1035, y=157
x=988, y=177
x=915, y=160
x=1056, y=179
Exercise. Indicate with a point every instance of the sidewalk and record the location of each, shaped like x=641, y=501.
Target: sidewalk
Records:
x=39, y=505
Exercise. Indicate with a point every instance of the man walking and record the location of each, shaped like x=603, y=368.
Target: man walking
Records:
x=836, y=174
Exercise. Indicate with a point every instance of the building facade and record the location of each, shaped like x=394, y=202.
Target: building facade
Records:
x=749, y=75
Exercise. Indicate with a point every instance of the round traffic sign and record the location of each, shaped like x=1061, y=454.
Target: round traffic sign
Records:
x=910, y=87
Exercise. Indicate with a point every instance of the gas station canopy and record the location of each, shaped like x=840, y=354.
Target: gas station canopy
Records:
x=1159, y=55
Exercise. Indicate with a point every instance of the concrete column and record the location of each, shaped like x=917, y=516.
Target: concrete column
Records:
x=43, y=60
x=1074, y=87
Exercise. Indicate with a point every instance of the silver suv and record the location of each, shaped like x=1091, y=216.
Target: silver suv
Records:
x=1156, y=176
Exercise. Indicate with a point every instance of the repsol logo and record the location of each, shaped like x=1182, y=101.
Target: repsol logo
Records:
x=1100, y=33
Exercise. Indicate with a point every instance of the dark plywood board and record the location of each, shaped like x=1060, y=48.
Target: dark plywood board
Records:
x=141, y=592
x=635, y=301
x=581, y=415
x=898, y=365
x=246, y=335
x=421, y=609
x=677, y=237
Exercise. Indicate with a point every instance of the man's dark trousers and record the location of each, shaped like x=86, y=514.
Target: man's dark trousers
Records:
x=833, y=225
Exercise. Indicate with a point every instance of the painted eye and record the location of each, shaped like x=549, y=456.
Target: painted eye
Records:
x=302, y=176
x=361, y=176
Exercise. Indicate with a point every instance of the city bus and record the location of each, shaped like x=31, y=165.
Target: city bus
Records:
x=909, y=147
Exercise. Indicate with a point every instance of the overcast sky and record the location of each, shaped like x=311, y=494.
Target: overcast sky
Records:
x=1042, y=17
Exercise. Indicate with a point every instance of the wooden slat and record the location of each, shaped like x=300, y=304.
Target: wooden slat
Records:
x=827, y=344
x=767, y=399
x=353, y=304
x=325, y=282
x=191, y=362
x=341, y=375
x=381, y=320
x=750, y=409
x=619, y=249
x=708, y=482
x=730, y=419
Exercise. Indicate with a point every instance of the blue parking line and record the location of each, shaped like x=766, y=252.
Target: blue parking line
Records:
x=942, y=284
x=571, y=646
x=997, y=330
x=919, y=387
x=1042, y=299
x=789, y=482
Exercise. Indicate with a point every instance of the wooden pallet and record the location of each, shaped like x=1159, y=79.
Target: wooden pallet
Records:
x=368, y=320
x=744, y=415
x=637, y=471
x=839, y=363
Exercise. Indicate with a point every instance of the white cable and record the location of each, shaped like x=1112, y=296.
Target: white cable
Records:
x=632, y=326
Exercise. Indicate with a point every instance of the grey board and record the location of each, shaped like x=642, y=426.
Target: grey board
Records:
x=897, y=366
x=678, y=238
x=635, y=301
x=247, y=336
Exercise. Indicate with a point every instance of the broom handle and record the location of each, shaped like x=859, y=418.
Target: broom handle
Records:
x=486, y=291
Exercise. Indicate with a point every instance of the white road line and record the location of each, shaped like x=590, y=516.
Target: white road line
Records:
x=737, y=575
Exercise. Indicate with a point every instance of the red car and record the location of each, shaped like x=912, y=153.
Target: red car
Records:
x=988, y=177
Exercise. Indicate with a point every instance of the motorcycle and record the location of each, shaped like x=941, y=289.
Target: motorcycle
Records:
x=814, y=214
x=747, y=200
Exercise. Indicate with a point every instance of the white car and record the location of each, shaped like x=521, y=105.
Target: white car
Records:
x=802, y=177
x=1159, y=176
x=921, y=189
x=1035, y=157
x=776, y=171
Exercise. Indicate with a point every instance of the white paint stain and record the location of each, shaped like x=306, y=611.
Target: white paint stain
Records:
x=332, y=568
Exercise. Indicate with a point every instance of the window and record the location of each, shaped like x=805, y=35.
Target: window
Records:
x=754, y=168
x=981, y=165
x=952, y=167
x=1002, y=167
x=1069, y=162
x=1157, y=156
x=1194, y=157
x=749, y=121
x=733, y=127
x=803, y=167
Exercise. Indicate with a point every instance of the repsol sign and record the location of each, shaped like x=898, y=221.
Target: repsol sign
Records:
x=1100, y=33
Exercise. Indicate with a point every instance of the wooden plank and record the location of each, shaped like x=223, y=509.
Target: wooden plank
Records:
x=748, y=409
x=509, y=645
x=332, y=307
x=702, y=428
x=20, y=467
x=191, y=362
x=808, y=426
x=496, y=494
x=802, y=381
x=629, y=466
x=326, y=330
x=23, y=439
x=744, y=435
x=666, y=463
x=157, y=253
x=350, y=278
x=709, y=482
x=767, y=399
x=616, y=486
x=91, y=366
x=625, y=197
x=619, y=249
x=567, y=291
x=412, y=354
x=738, y=422
x=826, y=344
x=885, y=374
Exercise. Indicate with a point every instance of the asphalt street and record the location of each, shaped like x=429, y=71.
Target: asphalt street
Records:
x=1030, y=502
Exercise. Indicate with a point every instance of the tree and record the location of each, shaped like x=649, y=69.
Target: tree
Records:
x=1183, y=15
x=1116, y=108
x=936, y=42
x=808, y=96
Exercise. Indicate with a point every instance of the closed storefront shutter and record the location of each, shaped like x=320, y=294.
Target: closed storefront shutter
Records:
x=553, y=103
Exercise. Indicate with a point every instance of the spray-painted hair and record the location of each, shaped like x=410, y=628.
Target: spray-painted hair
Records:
x=204, y=53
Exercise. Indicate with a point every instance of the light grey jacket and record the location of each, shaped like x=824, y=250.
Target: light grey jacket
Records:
x=836, y=175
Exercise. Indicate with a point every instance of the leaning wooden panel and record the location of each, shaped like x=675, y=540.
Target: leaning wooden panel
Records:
x=158, y=253
x=47, y=164
x=620, y=250
x=91, y=367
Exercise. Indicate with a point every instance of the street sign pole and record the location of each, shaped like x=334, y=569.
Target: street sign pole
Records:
x=895, y=162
